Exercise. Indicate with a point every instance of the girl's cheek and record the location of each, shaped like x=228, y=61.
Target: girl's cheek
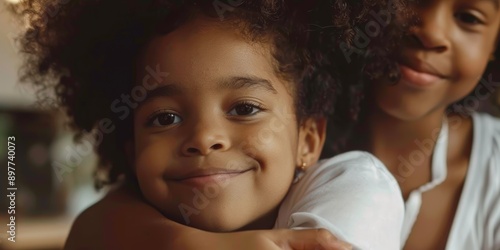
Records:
x=468, y=71
x=151, y=158
x=271, y=136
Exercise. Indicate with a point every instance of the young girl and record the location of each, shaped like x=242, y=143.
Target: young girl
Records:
x=215, y=118
x=445, y=157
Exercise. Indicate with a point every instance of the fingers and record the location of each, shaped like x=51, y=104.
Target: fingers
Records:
x=314, y=239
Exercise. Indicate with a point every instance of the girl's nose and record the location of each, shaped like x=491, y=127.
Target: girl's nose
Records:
x=432, y=31
x=205, y=138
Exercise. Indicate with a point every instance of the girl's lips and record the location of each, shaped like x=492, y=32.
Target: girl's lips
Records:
x=416, y=78
x=202, y=180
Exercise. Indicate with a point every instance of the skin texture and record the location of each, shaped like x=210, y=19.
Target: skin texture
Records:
x=91, y=65
x=201, y=126
x=454, y=40
x=222, y=108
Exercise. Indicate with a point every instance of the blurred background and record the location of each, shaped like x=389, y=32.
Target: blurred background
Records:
x=54, y=181
x=53, y=176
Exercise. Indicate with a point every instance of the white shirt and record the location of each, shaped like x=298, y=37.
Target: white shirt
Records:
x=352, y=195
x=477, y=219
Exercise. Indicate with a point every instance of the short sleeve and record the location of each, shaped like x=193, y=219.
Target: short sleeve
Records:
x=353, y=196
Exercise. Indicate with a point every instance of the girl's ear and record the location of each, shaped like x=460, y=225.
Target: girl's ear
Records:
x=312, y=133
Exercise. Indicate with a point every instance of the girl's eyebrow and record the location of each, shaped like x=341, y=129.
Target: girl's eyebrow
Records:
x=247, y=82
x=166, y=90
x=161, y=91
x=494, y=2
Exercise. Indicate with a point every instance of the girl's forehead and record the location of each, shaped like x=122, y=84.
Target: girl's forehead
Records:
x=205, y=40
x=201, y=54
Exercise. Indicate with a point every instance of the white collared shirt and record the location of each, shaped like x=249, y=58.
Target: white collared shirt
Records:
x=476, y=224
x=352, y=195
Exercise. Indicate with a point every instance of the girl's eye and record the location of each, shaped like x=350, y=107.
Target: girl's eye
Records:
x=468, y=18
x=245, y=109
x=164, y=119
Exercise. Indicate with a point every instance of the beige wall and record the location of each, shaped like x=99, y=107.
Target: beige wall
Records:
x=12, y=94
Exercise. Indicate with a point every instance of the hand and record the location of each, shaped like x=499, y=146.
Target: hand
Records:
x=283, y=239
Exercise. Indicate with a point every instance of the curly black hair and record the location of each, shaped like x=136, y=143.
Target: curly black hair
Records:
x=86, y=52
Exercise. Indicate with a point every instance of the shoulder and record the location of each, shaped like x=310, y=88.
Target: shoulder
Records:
x=487, y=124
x=487, y=173
x=349, y=161
x=354, y=175
x=487, y=140
x=355, y=167
x=352, y=195
x=91, y=226
x=87, y=229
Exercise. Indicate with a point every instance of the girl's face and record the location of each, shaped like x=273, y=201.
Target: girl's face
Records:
x=217, y=141
x=444, y=58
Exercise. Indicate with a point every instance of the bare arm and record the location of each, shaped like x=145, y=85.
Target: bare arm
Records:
x=122, y=221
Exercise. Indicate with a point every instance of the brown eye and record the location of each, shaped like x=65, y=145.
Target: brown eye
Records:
x=245, y=109
x=164, y=119
x=468, y=18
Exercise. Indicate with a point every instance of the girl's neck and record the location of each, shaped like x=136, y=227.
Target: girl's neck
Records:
x=405, y=147
x=386, y=133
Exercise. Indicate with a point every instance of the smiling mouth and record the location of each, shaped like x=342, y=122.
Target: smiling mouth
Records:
x=418, y=78
x=201, y=179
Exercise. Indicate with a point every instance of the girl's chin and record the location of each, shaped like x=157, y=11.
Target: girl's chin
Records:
x=406, y=113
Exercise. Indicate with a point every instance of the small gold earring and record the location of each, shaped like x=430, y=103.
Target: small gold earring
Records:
x=492, y=57
x=303, y=166
x=299, y=171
